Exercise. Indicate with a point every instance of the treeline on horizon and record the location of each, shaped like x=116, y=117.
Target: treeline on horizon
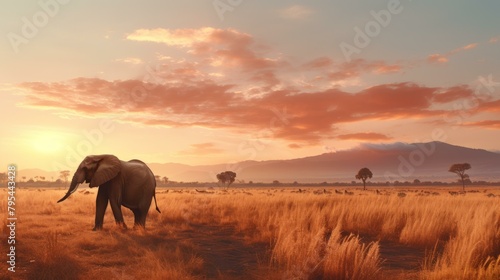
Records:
x=59, y=183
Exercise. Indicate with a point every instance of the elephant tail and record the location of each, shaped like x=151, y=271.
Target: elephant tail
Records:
x=157, y=209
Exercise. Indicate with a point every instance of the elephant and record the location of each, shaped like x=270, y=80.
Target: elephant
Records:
x=128, y=183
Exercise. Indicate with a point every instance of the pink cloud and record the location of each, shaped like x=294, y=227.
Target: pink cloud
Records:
x=319, y=62
x=453, y=94
x=364, y=136
x=306, y=117
x=220, y=47
x=355, y=68
x=489, y=124
x=444, y=58
x=437, y=58
x=202, y=149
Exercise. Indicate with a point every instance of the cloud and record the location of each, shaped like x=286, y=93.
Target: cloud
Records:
x=219, y=47
x=294, y=146
x=489, y=124
x=177, y=37
x=444, y=58
x=437, y=58
x=331, y=72
x=453, y=94
x=234, y=57
x=301, y=117
x=228, y=81
x=130, y=60
x=364, y=136
x=296, y=12
x=467, y=47
x=319, y=62
x=201, y=149
x=489, y=106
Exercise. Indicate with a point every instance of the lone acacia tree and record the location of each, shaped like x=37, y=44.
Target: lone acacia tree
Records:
x=363, y=174
x=226, y=177
x=459, y=169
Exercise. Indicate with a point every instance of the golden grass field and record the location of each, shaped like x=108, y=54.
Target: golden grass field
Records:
x=262, y=233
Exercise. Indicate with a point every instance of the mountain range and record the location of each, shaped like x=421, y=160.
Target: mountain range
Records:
x=388, y=162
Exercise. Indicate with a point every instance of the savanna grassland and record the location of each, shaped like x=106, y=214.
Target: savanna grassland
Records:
x=262, y=233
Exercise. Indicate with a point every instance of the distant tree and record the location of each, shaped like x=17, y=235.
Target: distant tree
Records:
x=226, y=178
x=3, y=177
x=158, y=178
x=276, y=182
x=459, y=169
x=363, y=174
x=24, y=178
x=64, y=175
x=416, y=182
x=165, y=180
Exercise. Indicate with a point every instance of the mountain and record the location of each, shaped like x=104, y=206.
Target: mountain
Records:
x=388, y=162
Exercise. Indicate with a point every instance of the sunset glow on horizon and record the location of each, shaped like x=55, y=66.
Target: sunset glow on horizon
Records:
x=200, y=82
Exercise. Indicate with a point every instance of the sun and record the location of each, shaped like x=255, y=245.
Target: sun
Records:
x=48, y=143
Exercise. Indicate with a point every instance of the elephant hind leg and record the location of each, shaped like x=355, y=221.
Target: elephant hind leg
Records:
x=139, y=218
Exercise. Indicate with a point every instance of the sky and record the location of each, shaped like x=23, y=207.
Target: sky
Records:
x=208, y=82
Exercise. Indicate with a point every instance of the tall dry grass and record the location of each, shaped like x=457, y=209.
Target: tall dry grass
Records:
x=309, y=236
x=303, y=230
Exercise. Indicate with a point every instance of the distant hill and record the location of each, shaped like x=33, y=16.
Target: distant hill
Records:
x=388, y=162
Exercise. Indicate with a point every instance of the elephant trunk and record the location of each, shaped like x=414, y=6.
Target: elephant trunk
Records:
x=74, y=185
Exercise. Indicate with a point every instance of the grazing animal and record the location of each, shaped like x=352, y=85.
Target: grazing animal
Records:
x=348, y=193
x=338, y=192
x=128, y=183
x=202, y=191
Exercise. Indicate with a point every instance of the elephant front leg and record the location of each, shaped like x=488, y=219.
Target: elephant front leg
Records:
x=117, y=212
x=100, y=208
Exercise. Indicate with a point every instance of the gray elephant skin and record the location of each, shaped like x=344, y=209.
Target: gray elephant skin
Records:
x=128, y=183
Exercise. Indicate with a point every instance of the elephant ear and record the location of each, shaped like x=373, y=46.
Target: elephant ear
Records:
x=108, y=167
